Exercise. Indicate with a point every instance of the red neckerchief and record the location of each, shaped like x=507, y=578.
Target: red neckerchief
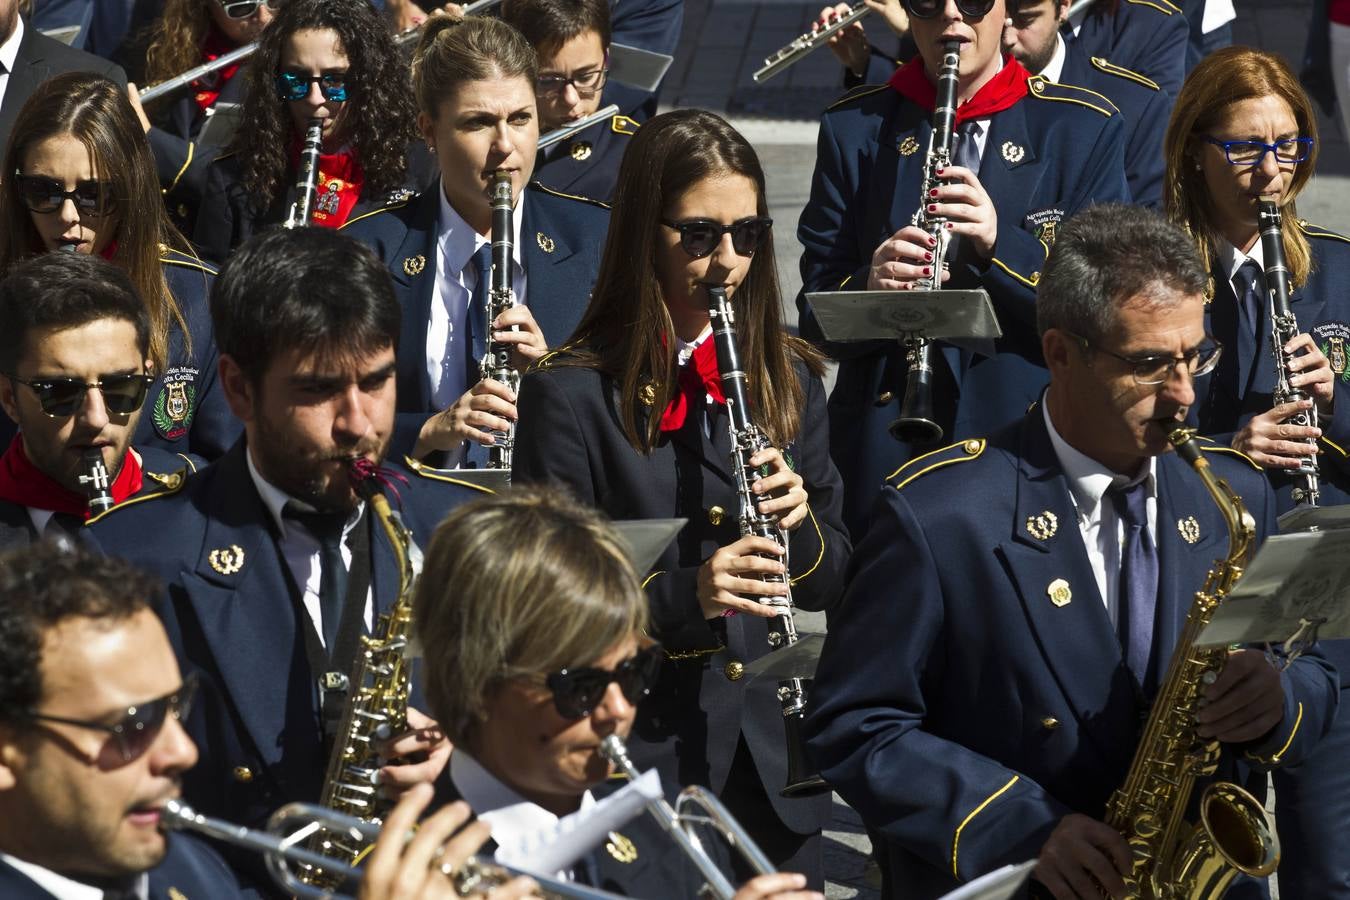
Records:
x=697, y=378
x=208, y=88
x=998, y=93
x=23, y=483
x=338, y=187
x=109, y=251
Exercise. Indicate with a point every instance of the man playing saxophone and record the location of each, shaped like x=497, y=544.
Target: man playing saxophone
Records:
x=1015, y=604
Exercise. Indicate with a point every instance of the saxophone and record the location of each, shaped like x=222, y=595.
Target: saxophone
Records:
x=377, y=700
x=746, y=440
x=496, y=363
x=1172, y=858
x=301, y=214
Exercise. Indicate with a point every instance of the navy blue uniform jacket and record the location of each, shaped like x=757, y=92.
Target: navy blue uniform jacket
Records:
x=1145, y=36
x=1057, y=151
x=569, y=434
x=588, y=162
x=561, y=239
x=191, y=870
x=958, y=709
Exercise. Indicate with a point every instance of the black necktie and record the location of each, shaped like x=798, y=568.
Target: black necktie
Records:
x=327, y=529
x=967, y=151
x=1138, y=593
x=482, y=263
x=1249, y=285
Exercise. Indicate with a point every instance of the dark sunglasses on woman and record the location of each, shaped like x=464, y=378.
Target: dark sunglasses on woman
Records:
x=138, y=727
x=699, y=237
x=46, y=195
x=578, y=691
x=242, y=9
x=294, y=86
x=929, y=9
x=61, y=397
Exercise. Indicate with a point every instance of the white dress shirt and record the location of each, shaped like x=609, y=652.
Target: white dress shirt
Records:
x=1231, y=258
x=1103, y=532
x=301, y=550
x=9, y=54
x=1054, y=69
x=63, y=888
x=455, y=281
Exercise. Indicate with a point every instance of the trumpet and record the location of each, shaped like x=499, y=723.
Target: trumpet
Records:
x=801, y=46
x=289, y=826
x=694, y=807
x=307, y=178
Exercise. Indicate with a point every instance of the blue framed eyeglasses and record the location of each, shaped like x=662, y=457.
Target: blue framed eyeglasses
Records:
x=1250, y=153
x=294, y=86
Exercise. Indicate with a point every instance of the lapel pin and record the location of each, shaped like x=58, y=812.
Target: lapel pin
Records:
x=581, y=151
x=545, y=242
x=621, y=848
x=414, y=265
x=1013, y=153
x=1059, y=592
x=1189, y=528
x=908, y=147
x=1043, y=526
x=227, y=560
x=647, y=394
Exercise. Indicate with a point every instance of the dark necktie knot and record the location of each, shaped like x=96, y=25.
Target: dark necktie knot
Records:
x=326, y=528
x=1249, y=285
x=1131, y=503
x=482, y=261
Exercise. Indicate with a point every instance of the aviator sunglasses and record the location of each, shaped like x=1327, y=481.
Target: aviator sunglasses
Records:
x=242, y=9
x=61, y=397
x=699, y=237
x=294, y=86
x=140, y=724
x=929, y=9
x=578, y=691
x=46, y=195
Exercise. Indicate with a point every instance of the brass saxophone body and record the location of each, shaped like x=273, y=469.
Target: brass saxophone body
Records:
x=376, y=706
x=1173, y=858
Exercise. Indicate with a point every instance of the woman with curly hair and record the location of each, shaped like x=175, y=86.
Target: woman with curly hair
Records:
x=80, y=177
x=331, y=60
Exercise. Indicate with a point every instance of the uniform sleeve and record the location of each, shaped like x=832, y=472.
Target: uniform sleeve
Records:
x=958, y=810
x=819, y=548
x=1144, y=159
x=1336, y=430
x=216, y=228
x=1163, y=54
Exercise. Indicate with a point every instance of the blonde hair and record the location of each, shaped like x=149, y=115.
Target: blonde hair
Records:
x=477, y=48
x=518, y=585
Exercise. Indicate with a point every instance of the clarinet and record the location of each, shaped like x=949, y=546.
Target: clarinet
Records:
x=1284, y=328
x=96, y=482
x=747, y=440
x=307, y=178
x=496, y=363
x=916, y=423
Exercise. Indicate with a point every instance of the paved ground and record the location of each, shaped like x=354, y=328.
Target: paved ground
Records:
x=724, y=41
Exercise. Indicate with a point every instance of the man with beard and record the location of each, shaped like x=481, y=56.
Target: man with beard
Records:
x=74, y=348
x=274, y=567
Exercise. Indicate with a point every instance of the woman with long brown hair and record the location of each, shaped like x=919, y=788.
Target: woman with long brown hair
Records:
x=78, y=176
x=1243, y=131
x=630, y=415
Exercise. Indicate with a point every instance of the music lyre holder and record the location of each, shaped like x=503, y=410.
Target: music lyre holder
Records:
x=950, y=315
x=1295, y=592
x=798, y=660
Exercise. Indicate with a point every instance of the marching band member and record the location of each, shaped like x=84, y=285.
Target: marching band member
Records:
x=68, y=323
x=629, y=416
x=475, y=82
x=1031, y=153
x=572, y=39
x=273, y=567
x=1243, y=130
x=1018, y=597
x=84, y=180
x=535, y=655
x=1142, y=35
x=330, y=60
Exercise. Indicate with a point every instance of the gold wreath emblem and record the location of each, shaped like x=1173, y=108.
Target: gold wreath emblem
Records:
x=908, y=147
x=1189, y=528
x=1043, y=526
x=1059, y=592
x=1013, y=153
x=581, y=151
x=414, y=265
x=621, y=848
x=544, y=241
x=227, y=560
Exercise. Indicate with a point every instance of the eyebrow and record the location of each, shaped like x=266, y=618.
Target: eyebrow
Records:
x=326, y=380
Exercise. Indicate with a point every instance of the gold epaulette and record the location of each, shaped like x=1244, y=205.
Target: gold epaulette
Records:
x=169, y=256
x=1209, y=445
x=1110, y=68
x=1070, y=93
x=862, y=90
x=548, y=359
x=444, y=475
x=1162, y=6
x=155, y=486
x=395, y=201
x=1312, y=230
x=936, y=459
x=548, y=190
x=624, y=125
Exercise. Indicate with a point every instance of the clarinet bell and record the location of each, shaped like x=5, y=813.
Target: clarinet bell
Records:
x=802, y=778
x=916, y=424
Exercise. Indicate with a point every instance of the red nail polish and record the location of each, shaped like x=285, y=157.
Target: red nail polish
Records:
x=927, y=270
x=949, y=226
x=940, y=170
x=932, y=242
x=928, y=257
x=932, y=207
x=933, y=192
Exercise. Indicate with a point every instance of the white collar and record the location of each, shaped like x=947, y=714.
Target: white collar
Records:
x=510, y=815
x=685, y=349
x=9, y=50
x=1077, y=19
x=275, y=499
x=1232, y=258
x=1088, y=479
x=1054, y=69
x=457, y=241
x=63, y=888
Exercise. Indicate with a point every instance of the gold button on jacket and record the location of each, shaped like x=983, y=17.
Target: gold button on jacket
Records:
x=734, y=670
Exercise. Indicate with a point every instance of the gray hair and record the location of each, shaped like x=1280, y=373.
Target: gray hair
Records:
x=1108, y=255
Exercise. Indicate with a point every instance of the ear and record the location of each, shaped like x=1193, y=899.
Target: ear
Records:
x=11, y=759
x=8, y=400
x=426, y=127
x=1058, y=348
x=239, y=390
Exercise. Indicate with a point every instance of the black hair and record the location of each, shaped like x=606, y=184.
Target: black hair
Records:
x=548, y=24
x=65, y=290
x=302, y=288
x=45, y=584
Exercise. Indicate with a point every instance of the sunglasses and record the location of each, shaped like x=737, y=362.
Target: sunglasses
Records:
x=578, y=691
x=46, y=195
x=929, y=9
x=136, y=731
x=294, y=86
x=699, y=237
x=61, y=397
x=242, y=9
